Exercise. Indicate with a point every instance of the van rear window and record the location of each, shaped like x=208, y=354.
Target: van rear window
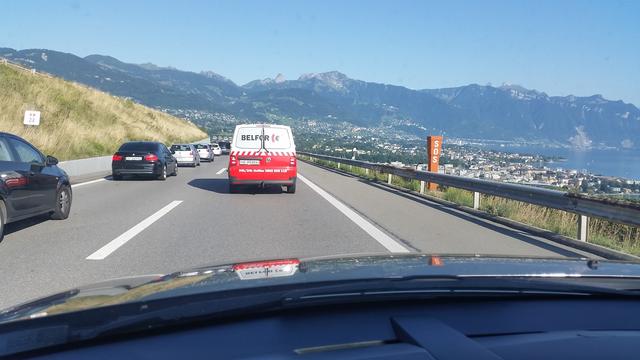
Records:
x=251, y=138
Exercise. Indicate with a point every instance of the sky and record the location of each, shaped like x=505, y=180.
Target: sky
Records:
x=560, y=47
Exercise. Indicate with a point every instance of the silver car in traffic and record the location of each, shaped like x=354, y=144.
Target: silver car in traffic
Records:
x=216, y=149
x=205, y=152
x=186, y=154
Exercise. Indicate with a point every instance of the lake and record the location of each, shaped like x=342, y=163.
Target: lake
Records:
x=622, y=163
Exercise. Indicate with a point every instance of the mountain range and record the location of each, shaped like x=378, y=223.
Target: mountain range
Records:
x=507, y=112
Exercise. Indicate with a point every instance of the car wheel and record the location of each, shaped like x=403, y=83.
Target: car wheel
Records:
x=163, y=174
x=63, y=203
x=291, y=189
x=175, y=170
x=116, y=177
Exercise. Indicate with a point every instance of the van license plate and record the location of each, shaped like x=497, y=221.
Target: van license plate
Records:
x=249, y=162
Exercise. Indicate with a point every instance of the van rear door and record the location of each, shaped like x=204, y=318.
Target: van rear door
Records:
x=263, y=152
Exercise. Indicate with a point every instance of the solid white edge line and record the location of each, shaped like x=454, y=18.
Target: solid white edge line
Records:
x=87, y=182
x=114, y=244
x=221, y=171
x=382, y=238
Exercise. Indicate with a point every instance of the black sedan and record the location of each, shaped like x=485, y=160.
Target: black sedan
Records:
x=31, y=184
x=143, y=158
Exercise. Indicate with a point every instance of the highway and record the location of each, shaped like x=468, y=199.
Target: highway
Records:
x=136, y=227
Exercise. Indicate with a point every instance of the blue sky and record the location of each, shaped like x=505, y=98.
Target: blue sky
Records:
x=560, y=47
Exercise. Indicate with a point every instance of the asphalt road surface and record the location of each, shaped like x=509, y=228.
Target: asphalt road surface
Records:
x=136, y=227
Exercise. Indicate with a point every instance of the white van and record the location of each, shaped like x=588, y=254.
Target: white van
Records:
x=262, y=154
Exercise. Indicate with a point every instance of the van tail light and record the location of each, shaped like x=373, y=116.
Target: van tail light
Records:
x=116, y=157
x=151, y=157
x=232, y=160
x=292, y=161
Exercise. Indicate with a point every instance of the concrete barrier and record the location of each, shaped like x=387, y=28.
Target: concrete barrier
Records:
x=92, y=168
x=87, y=169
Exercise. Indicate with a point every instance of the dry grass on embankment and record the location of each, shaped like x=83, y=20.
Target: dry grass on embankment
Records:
x=79, y=122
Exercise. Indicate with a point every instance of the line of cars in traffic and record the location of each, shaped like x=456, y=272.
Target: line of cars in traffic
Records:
x=32, y=184
x=152, y=158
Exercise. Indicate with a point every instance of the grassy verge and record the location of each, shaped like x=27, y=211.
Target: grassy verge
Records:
x=78, y=122
x=612, y=235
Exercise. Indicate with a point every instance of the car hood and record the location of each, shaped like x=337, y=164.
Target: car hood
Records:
x=218, y=278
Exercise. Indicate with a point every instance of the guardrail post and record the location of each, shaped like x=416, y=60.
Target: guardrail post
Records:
x=583, y=227
x=390, y=177
x=366, y=171
x=422, y=185
x=338, y=165
x=476, y=200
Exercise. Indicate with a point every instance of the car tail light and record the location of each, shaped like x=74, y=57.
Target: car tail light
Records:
x=116, y=157
x=292, y=161
x=232, y=158
x=151, y=157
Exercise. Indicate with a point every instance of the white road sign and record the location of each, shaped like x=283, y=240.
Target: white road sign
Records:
x=32, y=117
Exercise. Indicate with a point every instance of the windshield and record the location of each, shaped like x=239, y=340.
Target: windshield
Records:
x=490, y=135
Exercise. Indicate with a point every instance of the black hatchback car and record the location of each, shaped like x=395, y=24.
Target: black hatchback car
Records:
x=143, y=158
x=30, y=183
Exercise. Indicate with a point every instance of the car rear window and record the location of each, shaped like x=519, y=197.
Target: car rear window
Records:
x=274, y=138
x=225, y=144
x=180, y=148
x=139, y=146
x=201, y=146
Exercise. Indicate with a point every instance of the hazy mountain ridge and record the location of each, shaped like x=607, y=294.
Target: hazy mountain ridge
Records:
x=507, y=112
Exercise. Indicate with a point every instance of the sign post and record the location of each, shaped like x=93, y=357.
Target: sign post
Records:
x=434, y=149
x=32, y=118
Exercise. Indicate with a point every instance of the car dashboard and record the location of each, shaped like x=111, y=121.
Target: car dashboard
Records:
x=550, y=328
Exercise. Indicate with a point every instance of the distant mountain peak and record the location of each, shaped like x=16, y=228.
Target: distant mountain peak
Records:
x=522, y=93
x=150, y=66
x=330, y=75
x=333, y=79
x=279, y=79
x=211, y=74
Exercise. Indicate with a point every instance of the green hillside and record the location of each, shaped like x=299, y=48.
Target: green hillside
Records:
x=79, y=122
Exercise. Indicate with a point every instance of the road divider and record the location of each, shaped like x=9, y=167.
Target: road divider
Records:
x=382, y=238
x=114, y=244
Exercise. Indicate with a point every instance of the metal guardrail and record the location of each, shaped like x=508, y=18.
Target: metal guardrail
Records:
x=623, y=213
